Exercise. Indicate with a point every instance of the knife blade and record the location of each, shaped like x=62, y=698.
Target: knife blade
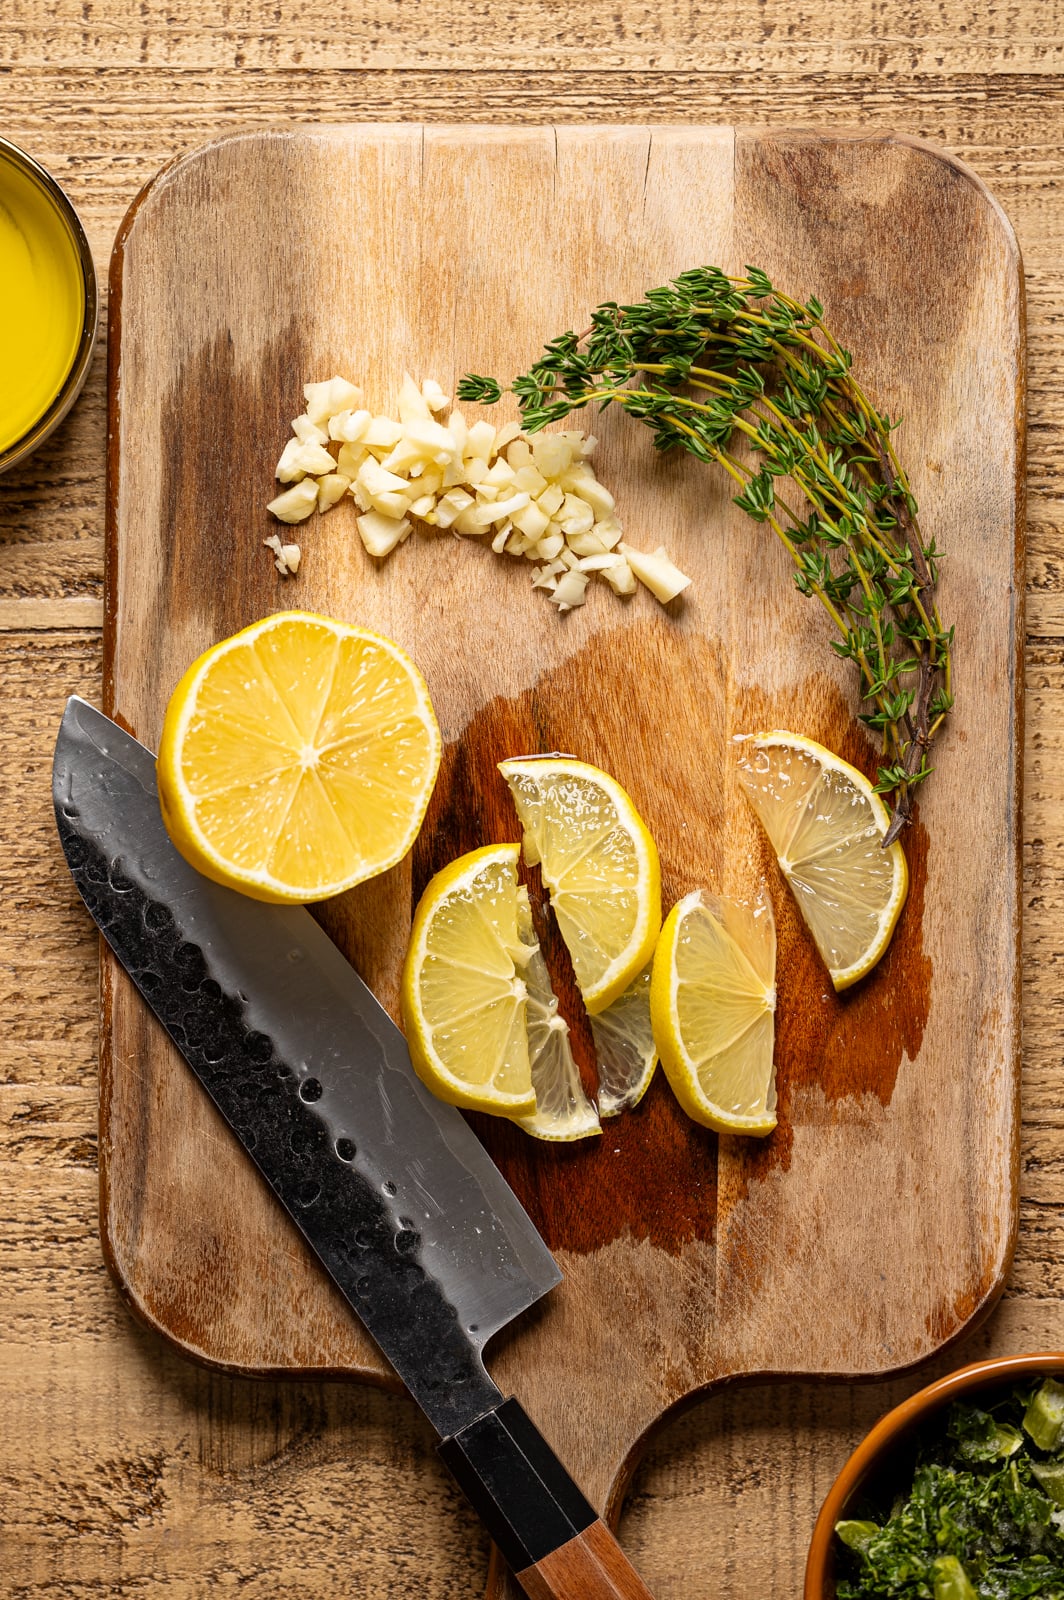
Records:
x=390, y=1188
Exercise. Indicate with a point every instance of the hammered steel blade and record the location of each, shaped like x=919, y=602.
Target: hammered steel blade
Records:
x=389, y=1187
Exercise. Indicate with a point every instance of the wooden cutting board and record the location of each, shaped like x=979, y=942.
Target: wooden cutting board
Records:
x=877, y=1222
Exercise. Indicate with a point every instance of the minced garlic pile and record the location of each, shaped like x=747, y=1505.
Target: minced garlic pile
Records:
x=538, y=497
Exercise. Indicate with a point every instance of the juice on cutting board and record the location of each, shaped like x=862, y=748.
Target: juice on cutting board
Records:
x=42, y=301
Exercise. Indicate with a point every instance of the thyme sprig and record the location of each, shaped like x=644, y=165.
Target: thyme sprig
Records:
x=709, y=361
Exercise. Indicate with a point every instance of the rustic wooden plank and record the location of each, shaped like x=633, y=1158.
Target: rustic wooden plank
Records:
x=922, y=37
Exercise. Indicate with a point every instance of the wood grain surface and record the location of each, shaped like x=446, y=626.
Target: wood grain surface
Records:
x=684, y=1255
x=126, y=1470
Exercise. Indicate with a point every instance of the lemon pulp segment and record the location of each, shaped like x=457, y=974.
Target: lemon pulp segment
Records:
x=712, y=1002
x=600, y=865
x=826, y=824
x=298, y=758
x=464, y=998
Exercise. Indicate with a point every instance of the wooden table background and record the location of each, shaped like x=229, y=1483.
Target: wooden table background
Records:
x=123, y=1470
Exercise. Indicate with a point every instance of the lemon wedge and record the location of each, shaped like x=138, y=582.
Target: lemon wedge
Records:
x=563, y=1111
x=712, y=1004
x=826, y=824
x=599, y=864
x=297, y=758
x=625, y=1052
x=463, y=994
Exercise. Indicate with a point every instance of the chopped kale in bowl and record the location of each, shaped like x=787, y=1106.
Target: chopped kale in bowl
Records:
x=981, y=1513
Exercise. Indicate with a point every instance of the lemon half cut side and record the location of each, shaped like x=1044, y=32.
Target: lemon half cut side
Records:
x=297, y=758
x=599, y=864
x=826, y=824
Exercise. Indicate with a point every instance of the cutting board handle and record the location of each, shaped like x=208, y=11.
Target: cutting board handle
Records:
x=557, y=1546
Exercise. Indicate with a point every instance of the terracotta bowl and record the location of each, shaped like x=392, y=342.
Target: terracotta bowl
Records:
x=883, y=1461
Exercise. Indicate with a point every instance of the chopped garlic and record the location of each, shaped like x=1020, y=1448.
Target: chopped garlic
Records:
x=380, y=534
x=535, y=498
x=552, y=454
x=551, y=499
x=309, y=457
x=531, y=520
x=349, y=426
x=382, y=433
x=286, y=556
x=570, y=590
x=411, y=403
x=664, y=580
x=620, y=576
x=600, y=563
x=324, y=400
x=296, y=503
x=450, y=505
x=287, y=471
x=434, y=396
x=308, y=432
x=332, y=487
x=480, y=442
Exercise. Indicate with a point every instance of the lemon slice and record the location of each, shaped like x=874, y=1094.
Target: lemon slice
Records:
x=712, y=1003
x=624, y=1048
x=463, y=995
x=826, y=824
x=563, y=1111
x=297, y=758
x=599, y=864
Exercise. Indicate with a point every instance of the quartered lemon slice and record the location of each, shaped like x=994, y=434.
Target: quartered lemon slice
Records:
x=563, y=1111
x=712, y=1002
x=600, y=865
x=297, y=758
x=826, y=824
x=464, y=997
x=624, y=1048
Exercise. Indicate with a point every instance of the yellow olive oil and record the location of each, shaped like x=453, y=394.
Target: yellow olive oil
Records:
x=42, y=301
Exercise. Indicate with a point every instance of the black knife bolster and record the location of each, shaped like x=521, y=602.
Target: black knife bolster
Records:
x=511, y=1476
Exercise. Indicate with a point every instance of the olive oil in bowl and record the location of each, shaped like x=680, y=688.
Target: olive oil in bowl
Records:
x=48, y=304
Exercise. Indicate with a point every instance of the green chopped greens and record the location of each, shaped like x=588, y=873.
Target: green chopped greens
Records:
x=983, y=1516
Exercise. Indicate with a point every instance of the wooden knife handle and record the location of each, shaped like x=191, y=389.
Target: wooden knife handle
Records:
x=557, y=1546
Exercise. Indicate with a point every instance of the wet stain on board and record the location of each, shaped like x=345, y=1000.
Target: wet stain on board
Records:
x=662, y=730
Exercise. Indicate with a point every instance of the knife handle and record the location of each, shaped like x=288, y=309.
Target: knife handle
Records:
x=556, y=1544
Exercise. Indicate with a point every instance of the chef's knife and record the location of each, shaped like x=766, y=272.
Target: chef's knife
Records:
x=390, y=1188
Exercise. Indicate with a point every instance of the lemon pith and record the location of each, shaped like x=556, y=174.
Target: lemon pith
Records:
x=599, y=864
x=297, y=758
x=826, y=824
x=463, y=996
x=712, y=1004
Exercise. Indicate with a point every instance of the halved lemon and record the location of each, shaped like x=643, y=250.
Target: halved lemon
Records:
x=624, y=1048
x=712, y=1003
x=563, y=1111
x=826, y=824
x=464, y=998
x=297, y=758
x=599, y=864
